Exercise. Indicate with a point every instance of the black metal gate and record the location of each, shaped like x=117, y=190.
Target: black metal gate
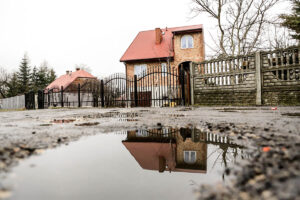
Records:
x=155, y=87
x=41, y=99
x=30, y=100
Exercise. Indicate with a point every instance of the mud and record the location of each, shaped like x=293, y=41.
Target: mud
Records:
x=271, y=137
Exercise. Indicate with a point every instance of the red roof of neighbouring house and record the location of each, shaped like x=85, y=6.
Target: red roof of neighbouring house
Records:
x=144, y=47
x=147, y=154
x=67, y=79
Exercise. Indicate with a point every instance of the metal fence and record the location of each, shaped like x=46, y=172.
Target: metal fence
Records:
x=152, y=88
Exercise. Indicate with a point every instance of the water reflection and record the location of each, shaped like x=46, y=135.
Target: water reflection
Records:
x=179, y=150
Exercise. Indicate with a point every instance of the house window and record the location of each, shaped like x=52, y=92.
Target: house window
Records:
x=142, y=133
x=189, y=157
x=164, y=69
x=187, y=42
x=140, y=69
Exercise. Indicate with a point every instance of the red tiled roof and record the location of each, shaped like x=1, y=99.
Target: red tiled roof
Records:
x=143, y=46
x=67, y=79
x=147, y=154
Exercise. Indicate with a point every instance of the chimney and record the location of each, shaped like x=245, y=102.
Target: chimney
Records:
x=67, y=72
x=77, y=68
x=158, y=36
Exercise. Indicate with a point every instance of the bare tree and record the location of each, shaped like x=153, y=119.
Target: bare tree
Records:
x=279, y=37
x=4, y=78
x=241, y=24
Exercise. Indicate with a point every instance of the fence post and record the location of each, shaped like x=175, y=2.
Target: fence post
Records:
x=49, y=98
x=192, y=81
x=79, y=104
x=181, y=77
x=62, y=96
x=102, y=93
x=135, y=92
x=258, y=78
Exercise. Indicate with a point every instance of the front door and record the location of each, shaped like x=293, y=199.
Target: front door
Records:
x=185, y=67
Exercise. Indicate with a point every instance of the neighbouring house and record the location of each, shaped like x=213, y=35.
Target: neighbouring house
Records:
x=168, y=150
x=70, y=83
x=166, y=49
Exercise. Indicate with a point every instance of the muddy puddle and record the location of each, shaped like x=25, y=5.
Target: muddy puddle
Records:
x=163, y=163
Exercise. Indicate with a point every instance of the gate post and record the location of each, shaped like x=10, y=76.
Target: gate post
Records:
x=102, y=93
x=41, y=99
x=62, y=96
x=33, y=99
x=192, y=82
x=79, y=104
x=49, y=98
x=258, y=78
x=181, y=77
x=135, y=92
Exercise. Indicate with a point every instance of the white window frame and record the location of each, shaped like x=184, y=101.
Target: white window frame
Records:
x=185, y=42
x=187, y=157
x=164, y=69
x=142, y=133
x=140, y=69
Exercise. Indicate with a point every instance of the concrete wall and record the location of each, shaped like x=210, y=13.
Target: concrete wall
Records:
x=257, y=79
x=17, y=102
x=281, y=84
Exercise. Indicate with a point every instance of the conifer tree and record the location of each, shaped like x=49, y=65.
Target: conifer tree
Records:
x=292, y=21
x=34, y=79
x=13, y=89
x=51, y=76
x=42, y=77
x=24, y=76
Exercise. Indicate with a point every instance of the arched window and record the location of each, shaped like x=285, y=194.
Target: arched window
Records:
x=187, y=42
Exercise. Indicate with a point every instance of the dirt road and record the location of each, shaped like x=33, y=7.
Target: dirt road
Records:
x=271, y=136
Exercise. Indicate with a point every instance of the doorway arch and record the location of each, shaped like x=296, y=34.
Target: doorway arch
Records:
x=184, y=68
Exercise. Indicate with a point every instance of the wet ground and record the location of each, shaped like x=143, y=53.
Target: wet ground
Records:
x=252, y=152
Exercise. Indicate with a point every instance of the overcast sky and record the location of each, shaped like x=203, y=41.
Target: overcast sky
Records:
x=91, y=32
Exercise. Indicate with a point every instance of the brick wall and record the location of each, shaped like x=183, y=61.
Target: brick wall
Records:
x=195, y=54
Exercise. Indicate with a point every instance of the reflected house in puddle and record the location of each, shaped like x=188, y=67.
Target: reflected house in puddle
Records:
x=166, y=149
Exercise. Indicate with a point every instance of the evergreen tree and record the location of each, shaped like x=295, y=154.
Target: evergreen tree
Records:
x=42, y=77
x=13, y=89
x=292, y=21
x=34, y=79
x=24, y=76
x=51, y=76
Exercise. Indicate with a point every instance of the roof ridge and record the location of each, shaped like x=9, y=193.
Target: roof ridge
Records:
x=171, y=27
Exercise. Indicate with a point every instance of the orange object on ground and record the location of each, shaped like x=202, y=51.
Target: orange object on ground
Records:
x=266, y=149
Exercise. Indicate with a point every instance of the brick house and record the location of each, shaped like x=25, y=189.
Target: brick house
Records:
x=168, y=48
x=177, y=151
x=69, y=82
